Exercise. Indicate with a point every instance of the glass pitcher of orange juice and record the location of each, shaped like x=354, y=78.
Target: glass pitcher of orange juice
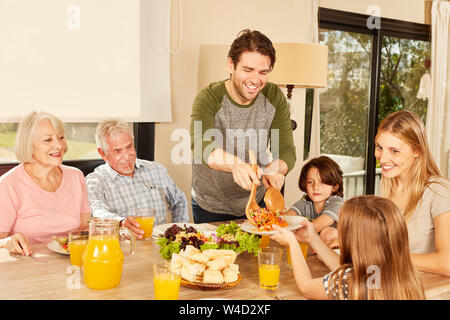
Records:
x=103, y=257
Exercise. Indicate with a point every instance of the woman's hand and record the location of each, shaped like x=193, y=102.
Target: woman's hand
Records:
x=18, y=243
x=307, y=233
x=283, y=237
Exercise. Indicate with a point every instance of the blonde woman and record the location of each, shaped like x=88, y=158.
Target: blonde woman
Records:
x=40, y=197
x=374, y=264
x=411, y=179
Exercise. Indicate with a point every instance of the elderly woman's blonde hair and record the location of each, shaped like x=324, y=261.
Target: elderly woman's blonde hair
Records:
x=109, y=127
x=23, y=147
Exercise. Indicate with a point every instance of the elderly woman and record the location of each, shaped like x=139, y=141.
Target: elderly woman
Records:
x=411, y=179
x=40, y=197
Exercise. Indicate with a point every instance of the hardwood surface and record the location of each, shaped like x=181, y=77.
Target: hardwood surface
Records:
x=26, y=278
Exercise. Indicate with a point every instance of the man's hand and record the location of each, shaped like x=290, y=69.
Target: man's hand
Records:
x=134, y=226
x=244, y=176
x=275, y=180
x=18, y=243
x=274, y=174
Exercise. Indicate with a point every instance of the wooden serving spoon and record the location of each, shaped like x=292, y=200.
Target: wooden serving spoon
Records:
x=252, y=204
x=274, y=200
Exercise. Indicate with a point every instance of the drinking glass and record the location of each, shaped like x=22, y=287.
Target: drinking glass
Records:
x=269, y=262
x=265, y=241
x=303, y=247
x=146, y=218
x=166, y=283
x=78, y=241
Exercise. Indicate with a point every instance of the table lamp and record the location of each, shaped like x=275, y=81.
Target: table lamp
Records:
x=300, y=65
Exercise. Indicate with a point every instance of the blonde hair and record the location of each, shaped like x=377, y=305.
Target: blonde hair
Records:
x=373, y=235
x=409, y=127
x=109, y=127
x=23, y=147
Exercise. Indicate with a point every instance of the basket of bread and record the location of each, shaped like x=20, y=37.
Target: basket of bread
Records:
x=226, y=237
x=207, y=270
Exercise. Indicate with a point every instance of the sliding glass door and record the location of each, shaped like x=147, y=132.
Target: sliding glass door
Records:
x=344, y=105
x=371, y=73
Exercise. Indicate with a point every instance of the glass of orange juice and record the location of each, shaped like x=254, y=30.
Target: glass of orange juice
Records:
x=78, y=241
x=166, y=283
x=269, y=262
x=265, y=241
x=303, y=247
x=145, y=218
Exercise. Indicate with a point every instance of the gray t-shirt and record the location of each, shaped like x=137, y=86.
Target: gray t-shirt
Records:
x=421, y=229
x=219, y=122
x=306, y=208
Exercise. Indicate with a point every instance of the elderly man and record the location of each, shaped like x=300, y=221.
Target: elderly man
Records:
x=124, y=182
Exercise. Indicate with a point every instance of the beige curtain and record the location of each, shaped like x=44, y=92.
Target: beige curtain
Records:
x=438, y=114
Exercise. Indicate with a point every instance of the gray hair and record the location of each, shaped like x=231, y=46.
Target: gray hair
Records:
x=109, y=127
x=23, y=147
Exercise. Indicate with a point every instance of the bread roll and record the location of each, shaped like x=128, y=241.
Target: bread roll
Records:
x=234, y=267
x=217, y=264
x=189, y=251
x=199, y=257
x=229, y=275
x=212, y=276
x=188, y=274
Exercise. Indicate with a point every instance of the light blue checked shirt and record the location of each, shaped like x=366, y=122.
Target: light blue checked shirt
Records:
x=112, y=195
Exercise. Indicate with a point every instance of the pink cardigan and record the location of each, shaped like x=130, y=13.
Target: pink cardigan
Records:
x=38, y=214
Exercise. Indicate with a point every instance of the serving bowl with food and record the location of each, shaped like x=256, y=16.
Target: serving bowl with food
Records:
x=208, y=269
x=226, y=237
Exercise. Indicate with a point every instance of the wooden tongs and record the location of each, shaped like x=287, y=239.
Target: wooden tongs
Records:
x=273, y=198
x=252, y=204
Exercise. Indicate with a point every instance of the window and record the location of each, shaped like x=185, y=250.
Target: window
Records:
x=344, y=105
x=80, y=139
x=372, y=73
x=82, y=148
x=403, y=63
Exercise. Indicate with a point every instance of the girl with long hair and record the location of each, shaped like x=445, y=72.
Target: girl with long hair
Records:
x=412, y=180
x=374, y=264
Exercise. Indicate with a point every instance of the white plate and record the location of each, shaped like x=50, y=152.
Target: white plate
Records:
x=160, y=229
x=55, y=247
x=294, y=224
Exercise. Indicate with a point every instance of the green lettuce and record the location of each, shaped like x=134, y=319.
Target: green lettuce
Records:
x=167, y=249
x=209, y=245
x=231, y=228
x=248, y=242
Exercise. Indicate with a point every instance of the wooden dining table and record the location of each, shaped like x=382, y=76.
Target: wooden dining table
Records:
x=50, y=276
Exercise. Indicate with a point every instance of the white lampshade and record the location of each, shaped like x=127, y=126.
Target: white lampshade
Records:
x=303, y=65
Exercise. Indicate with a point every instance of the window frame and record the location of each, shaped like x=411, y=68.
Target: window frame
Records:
x=354, y=22
x=144, y=140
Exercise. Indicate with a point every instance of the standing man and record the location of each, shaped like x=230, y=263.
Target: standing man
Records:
x=229, y=118
x=124, y=182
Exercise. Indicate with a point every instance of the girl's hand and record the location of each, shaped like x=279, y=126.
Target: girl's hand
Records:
x=283, y=237
x=307, y=233
x=18, y=243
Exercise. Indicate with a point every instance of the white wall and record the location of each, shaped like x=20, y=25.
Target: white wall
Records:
x=407, y=10
x=81, y=60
